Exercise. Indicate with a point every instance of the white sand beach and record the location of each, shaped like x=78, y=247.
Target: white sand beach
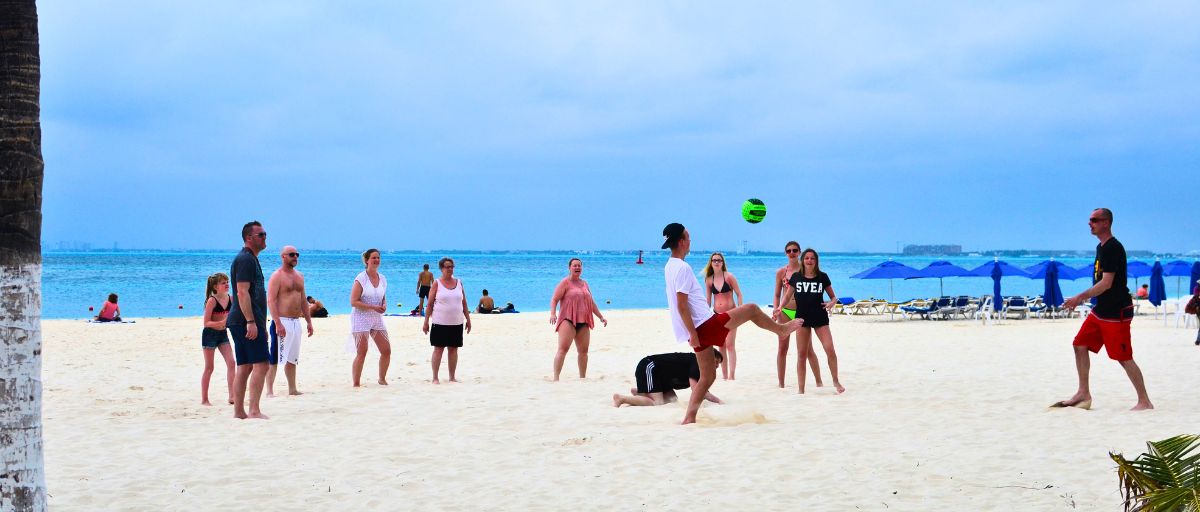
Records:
x=937, y=416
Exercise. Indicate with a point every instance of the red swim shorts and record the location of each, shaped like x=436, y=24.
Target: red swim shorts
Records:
x=1112, y=334
x=713, y=332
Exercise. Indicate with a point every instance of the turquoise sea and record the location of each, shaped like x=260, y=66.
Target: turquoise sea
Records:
x=156, y=284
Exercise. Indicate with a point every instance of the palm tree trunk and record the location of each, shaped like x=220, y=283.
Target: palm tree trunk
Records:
x=22, y=478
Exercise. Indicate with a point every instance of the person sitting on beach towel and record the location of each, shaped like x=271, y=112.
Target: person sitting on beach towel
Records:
x=110, y=311
x=487, y=305
x=659, y=375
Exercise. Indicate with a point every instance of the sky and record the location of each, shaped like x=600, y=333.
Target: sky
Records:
x=863, y=126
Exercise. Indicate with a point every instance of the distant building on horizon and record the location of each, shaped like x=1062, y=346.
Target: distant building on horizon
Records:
x=932, y=250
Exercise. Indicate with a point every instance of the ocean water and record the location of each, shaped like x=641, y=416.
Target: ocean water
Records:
x=156, y=284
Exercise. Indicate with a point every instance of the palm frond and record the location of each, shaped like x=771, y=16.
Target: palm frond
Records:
x=1166, y=478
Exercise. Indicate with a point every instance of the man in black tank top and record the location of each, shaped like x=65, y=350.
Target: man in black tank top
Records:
x=1108, y=324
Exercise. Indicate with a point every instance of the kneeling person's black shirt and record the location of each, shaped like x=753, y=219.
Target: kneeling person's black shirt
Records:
x=677, y=367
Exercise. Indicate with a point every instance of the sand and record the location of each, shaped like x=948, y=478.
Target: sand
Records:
x=937, y=416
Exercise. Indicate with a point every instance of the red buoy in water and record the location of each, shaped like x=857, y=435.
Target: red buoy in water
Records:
x=639, y=261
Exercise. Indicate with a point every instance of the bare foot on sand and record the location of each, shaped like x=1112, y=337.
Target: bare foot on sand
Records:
x=452, y=379
x=205, y=402
x=436, y=381
x=382, y=382
x=1142, y=406
x=687, y=420
x=839, y=388
x=616, y=400
x=239, y=415
x=257, y=416
x=295, y=392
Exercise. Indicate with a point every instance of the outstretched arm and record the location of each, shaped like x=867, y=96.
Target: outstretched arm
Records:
x=707, y=396
x=1106, y=281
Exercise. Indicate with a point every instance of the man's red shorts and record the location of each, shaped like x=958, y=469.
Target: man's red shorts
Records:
x=713, y=332
x=1113, y=335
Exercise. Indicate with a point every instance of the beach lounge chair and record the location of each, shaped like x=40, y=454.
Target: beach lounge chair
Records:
x=985, y=310
x=842, y=302
x=1016, y=306
x=917, y=308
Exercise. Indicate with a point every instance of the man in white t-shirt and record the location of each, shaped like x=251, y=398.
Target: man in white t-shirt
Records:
x=693, y=321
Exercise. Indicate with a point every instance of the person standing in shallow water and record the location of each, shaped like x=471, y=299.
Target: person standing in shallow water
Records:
x=424, y=281
x=720, y=287
x=574, y=320
x=368, y=297
x=246, y=322
x=694, y=323
x=1108, y=323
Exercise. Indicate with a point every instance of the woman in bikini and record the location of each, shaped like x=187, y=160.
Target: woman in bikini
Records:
x=786, y=307
x=368, y=297
x=214, y=338
x=720, y=287
x=574, y=321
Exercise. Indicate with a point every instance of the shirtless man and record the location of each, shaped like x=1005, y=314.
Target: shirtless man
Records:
x=286, y=301
x=424, y=281
x=487, y=305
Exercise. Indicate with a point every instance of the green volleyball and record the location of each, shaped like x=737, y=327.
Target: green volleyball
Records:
x=754, y=210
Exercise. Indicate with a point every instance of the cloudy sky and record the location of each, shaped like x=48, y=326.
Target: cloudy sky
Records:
x=587, y=125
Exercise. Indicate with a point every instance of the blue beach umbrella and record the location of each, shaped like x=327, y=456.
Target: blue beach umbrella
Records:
x=1195, y=276
x=997, y=299
x=997, y=269
x=887, y=270
x=1064, y=271
x=942, y=269
x=1052, y=293
x=1180, y=269
x=1158, y=289
x=1136, y=269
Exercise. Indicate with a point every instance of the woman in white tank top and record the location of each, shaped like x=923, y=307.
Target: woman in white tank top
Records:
x=448, y=311
x=368, y=297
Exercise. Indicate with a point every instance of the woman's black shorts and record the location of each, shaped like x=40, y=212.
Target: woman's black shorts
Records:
x=446, y=335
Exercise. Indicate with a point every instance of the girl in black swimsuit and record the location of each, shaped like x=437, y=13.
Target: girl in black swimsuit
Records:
x=721, y=298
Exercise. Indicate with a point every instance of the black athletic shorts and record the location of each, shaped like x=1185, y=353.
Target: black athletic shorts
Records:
x=423, y=292
x=816, y=317
x=446, y=335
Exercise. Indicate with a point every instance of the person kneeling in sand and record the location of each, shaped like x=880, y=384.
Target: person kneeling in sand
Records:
x=659, y=375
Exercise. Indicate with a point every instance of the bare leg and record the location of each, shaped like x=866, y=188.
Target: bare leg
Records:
x=803, y=348
x=1139, y=385
x=360, y=357
x=258, y=375
x=289, y=371
x=566, y=332
x=638, y=399
x=230, y=369
x=271, y=369
x=1083, y=364
x=436, y=362
x=583, y=339
x=206, y=375
x=731, y=355
x=826, y=337
x=452, y=362
x=781, y=357
x=708, y=373
x=811, y=356
x=385, y=354
x=239, y=391
x=752, y=313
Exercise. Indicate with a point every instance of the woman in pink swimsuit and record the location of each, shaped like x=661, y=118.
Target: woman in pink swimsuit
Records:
x=574, y=320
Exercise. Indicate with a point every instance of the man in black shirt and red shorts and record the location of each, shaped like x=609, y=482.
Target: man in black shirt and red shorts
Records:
x=1108, y=324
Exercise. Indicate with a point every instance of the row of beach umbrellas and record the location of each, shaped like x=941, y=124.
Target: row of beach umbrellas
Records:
x=1051, y=271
